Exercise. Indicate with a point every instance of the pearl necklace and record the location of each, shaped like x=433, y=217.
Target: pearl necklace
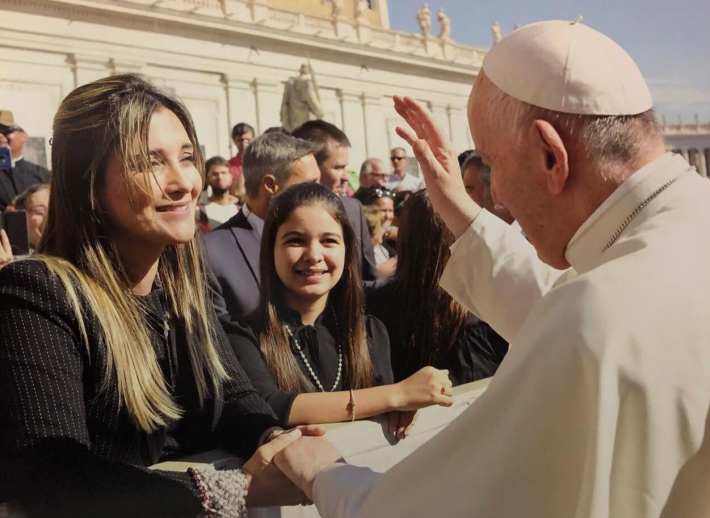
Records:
x=308, y=365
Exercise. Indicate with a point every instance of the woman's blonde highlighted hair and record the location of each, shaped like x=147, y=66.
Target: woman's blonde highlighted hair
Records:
x=105, y=118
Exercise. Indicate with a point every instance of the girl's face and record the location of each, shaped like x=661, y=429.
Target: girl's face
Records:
x=309, y=253
x=386, y=205
x=165, y=213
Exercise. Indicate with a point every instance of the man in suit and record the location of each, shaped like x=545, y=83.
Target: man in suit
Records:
x=271, y=163
x=332, y=158
x=22, y=174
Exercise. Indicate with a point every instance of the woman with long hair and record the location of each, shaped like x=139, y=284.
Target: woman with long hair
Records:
x=426, y=325
x=309, y=348
x=111, y=357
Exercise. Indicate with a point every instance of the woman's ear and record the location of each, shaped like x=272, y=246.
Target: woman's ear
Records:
x=270, y=185
x=550, y=150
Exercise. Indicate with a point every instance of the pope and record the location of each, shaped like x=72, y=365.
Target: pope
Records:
x=602, y=405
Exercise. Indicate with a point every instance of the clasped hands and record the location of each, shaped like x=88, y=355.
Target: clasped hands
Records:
x=282, y=471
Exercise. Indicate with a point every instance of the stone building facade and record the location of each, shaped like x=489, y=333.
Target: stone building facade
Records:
x=229, y=60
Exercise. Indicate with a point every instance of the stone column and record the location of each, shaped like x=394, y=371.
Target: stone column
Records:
x=702, y=164
x=684, y=153
x=88, y=68
x=268, y=104
x=440, y=112
x=241, y=103
x=354, y=121
x=460, y=133
x=375, y=128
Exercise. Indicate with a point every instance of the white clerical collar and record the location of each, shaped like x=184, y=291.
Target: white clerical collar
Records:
x=596, y=232
x=255, y=221
x=15, y=160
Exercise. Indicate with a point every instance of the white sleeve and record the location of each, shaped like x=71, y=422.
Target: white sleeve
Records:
x=495, y=273
x=340, y=490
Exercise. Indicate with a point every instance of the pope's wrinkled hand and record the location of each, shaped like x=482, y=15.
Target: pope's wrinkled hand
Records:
x=439, y=164
x=302, y=460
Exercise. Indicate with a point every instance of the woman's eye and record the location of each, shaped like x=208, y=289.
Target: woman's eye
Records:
x=189, y=159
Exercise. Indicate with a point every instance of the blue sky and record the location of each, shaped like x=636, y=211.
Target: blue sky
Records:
x=669, y=40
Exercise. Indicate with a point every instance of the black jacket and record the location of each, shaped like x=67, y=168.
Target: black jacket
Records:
x=66, y=442
x=20, y=178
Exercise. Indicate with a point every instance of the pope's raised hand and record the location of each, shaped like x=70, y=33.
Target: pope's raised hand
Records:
x=439, y=164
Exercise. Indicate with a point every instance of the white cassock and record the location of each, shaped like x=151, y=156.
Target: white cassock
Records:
x=601, y=406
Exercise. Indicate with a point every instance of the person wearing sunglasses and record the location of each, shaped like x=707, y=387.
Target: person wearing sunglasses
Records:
x=400, y=179
x=23, y=174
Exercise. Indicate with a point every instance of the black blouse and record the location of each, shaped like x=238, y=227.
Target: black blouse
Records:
x=318, y=345
x=476, y=354
x=67, y=443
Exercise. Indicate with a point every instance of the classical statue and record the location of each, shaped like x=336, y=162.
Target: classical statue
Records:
x=337, y=11
x=445, y=24
x=361, y=8
x=301, y=101
x=496, y=32
x=424, y=20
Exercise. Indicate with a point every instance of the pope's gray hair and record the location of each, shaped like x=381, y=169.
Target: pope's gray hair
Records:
x=607, y=141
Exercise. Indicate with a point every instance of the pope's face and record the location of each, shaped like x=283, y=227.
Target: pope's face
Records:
x=518, y=184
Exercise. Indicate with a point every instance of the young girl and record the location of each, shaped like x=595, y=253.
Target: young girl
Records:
x=309, y=348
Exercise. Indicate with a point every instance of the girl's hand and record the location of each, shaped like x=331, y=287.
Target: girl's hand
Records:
x=426, y=387
x=400, y=424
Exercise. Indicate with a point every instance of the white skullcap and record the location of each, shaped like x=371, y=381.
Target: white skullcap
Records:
x=567, y=67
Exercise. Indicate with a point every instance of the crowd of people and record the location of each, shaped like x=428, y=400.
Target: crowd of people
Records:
x=221, y=327
x=171, y=305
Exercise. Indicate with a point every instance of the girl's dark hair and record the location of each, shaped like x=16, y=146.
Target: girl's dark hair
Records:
x=346, y=298
x=370, y=195
x=431, y=318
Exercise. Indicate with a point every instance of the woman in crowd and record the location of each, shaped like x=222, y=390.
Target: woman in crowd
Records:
x=111, y=357
x=35, y=201
x=309, y=348
x=385, y=255
x=426, y=326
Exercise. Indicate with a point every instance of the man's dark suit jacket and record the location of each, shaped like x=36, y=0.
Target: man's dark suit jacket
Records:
x=233, y=259
x=20, y=178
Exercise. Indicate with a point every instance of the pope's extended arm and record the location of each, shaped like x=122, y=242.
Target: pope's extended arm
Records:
x=495, y=273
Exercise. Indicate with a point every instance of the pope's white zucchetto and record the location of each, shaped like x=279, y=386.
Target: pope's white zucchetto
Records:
x=567, y=67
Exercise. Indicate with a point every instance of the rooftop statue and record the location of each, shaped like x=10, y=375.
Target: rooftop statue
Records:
x=496, y=32
x=424, y=20
x=445, y=24
x=361, y=8
x=301, y=101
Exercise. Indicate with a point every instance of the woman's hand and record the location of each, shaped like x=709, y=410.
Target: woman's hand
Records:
x=400, y=424
x=5, y=249
x=268, y=486
x=426, y=387
x=439, y=164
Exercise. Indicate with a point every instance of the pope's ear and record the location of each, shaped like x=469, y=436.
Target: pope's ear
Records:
x=552, y=156
x=269, y=184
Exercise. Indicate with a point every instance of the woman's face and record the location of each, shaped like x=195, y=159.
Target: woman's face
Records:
x=164, y=211
x=386, y=205
x=309, y=253
x=36, y=207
